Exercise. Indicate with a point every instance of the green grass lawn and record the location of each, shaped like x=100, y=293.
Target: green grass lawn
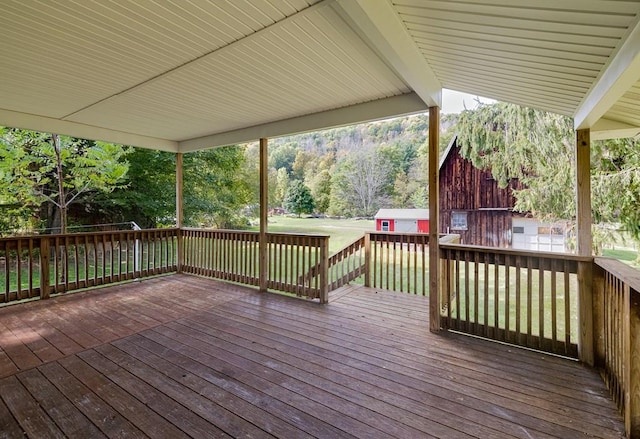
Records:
x=627, y=256
x=341, y=231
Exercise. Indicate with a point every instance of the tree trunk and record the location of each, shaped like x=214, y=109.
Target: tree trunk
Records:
x=62, y=204
x=60, y=175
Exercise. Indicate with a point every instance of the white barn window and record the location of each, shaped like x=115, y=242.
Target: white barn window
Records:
x=459, y=221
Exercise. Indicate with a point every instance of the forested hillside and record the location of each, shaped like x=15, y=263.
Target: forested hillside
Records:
x=355, y=170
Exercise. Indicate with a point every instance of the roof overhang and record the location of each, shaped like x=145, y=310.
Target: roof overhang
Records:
x=612, y=107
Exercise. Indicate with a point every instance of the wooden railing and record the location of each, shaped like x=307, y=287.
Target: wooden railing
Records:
x=38, y=266
x=233, y=255
x=347, y=264
x=20, y=268
x=343, y=266
x=397, y=261
x=222, y=254
x=520, y=297
x=616, y=324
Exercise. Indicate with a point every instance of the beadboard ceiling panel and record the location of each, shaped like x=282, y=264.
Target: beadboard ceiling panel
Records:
x=190, y=74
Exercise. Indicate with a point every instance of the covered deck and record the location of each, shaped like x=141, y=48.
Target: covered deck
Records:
x=185, y=356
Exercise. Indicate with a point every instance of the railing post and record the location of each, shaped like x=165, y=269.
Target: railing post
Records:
x=632, y=365
x=45, y=250
x=586, y=342
x=367, y=259
x=324, y=270
x=585, y=313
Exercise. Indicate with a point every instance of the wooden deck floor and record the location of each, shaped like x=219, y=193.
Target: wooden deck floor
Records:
x=180, y=356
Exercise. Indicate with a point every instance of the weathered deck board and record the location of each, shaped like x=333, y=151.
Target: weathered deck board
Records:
x=182, y=356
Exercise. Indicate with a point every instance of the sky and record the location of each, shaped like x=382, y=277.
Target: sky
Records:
x=455, y=102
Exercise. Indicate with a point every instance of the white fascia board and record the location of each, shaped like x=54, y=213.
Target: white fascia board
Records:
x=44, y=124
x=622, y=73
x=605, y=129
x=385, y=108
x=380, y=25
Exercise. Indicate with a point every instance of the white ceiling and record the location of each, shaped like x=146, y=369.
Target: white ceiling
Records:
x=189, y=74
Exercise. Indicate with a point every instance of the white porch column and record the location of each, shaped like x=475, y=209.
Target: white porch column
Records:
x=434, y=219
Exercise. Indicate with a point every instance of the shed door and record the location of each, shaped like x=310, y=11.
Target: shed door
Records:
x=406, y=226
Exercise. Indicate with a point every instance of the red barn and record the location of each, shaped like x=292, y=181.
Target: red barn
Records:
x=402, y=220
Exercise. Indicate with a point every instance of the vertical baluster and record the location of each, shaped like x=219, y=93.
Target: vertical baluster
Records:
x=541, y=294
x=424, y=248
x=496, y=296
x=486, y=295
x=567, y=304
x=19, y=268
x=458, y=290
x=31, y=272
x=476, y=292
x=507, y=297
x=467, y=292
x=374, y=246
x=518, y=309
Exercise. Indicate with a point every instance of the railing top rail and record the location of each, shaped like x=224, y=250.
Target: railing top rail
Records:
x=301, y=235
x=76, y=234
x=622, y=271
x=511, y=252
x=203, y=229
x=252, y=232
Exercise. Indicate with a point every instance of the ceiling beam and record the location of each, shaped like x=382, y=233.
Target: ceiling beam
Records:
x=380, y=109
x=44, y=124
x=380, y=26
x=622, y=72
x=605, y=129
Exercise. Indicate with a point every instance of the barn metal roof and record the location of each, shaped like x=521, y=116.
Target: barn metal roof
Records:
x=192, y=74
x=402, y=214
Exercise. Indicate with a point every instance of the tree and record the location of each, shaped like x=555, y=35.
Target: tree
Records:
x=38, y=169
x=281, y=186
x=616, y=183
x=216, y=188
x=362, y=182
x=531, y=145
x=298, y=199
x=538, y=148
x=321, y=190
x=283, y=156
x=149, y=195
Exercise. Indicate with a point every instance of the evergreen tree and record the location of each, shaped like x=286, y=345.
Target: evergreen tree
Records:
x=298, y=199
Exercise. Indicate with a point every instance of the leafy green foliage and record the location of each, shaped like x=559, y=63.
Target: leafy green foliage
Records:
x=616, y=183
x=298, y=199
x=149, y=197
x=38, y=169
x=321, y=190
x=531, y=145
x=539, y=149
x=216, y=187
